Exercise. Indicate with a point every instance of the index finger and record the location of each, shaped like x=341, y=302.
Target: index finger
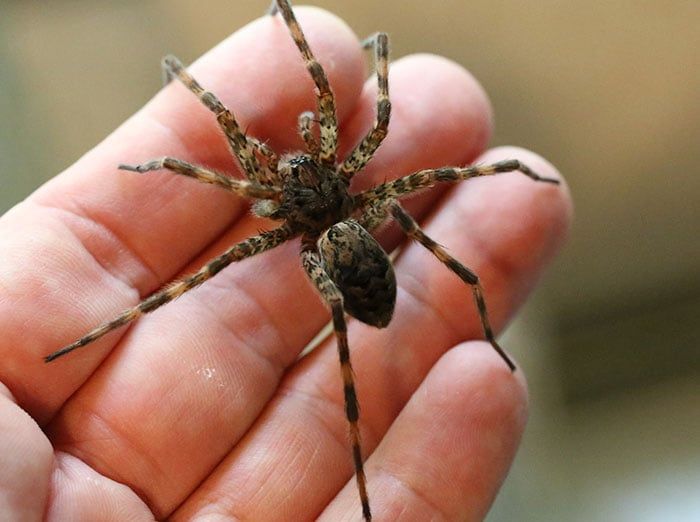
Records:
x=93, y=239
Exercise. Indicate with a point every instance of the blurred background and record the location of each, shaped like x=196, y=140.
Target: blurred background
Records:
x=608, y=91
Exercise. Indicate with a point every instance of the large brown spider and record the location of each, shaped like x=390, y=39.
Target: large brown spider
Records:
x=308, y=193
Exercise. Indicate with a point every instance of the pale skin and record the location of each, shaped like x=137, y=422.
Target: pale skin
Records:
x=201, y=410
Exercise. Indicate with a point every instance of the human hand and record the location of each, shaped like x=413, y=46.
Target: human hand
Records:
x=202, y=409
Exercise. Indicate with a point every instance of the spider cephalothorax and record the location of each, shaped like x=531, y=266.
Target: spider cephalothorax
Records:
x=309, y=194
x=313, y=196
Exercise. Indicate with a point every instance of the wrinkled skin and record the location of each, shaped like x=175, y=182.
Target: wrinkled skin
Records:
x=203, y=408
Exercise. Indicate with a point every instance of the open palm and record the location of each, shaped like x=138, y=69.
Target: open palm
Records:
x=203, y=410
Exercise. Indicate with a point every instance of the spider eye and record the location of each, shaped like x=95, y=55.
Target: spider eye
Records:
x=300, y=161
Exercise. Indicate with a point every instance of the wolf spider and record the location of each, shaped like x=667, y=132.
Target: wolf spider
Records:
x=308, y=193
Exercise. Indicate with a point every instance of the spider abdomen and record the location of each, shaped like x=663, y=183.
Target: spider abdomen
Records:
x=361, y=269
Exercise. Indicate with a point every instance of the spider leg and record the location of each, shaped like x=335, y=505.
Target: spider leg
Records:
x=374, y=214
x=243, y=188
x=412, y=230
x=427, y=178
x=239, y=251
x=272, y=10
x=328, y=118
x=173, y=68
x=331, y=295
x=269, y=176
x=305, y=126
x=363, y=153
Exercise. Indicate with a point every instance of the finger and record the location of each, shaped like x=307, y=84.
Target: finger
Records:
x=26, y=461
x=208, y=363
x=446, y=100
x=303, y=430
x=447, y=453
x=78, y=492
x=94, y=239
x=441, y=116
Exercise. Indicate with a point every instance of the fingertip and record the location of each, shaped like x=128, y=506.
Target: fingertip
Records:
x=549, y=208
x=480, y=409
x=561, y=202
x=259, y=74
x=449, y=450
x=486, y=407
x=516, y=224
x=536, y=161
x=440, y=116
x=455, y=101
x=454, y=83
x=474, y=370
x=26, y=461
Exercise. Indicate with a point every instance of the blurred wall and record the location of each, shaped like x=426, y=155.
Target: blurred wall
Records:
x=608, y=91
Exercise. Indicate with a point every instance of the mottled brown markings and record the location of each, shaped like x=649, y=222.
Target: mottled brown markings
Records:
x=331, y=294
x=153, y=302
x=173, y=68
x=374, y=214
x=270, y=175
x=313, y=196
x=362, y=270
x=316, y=71
x=305, y=127
x=328, y=118
x=242, y=188
x=247, y=248
x=424, y=179
x=308, y=193
x=363, y=153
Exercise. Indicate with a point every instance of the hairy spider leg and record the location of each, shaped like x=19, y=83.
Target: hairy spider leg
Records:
x=413, y=231
x=270, y=175
x=249, y=247
x=305, y=127
x=424, y=179
x=362, y=153
x=311, y=260
x=243, y=188
x=374, y=214
x=240, y=146
x=380, y=199
x=328, y=119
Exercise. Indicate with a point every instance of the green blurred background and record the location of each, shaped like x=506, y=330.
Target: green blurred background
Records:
x=608, y=91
